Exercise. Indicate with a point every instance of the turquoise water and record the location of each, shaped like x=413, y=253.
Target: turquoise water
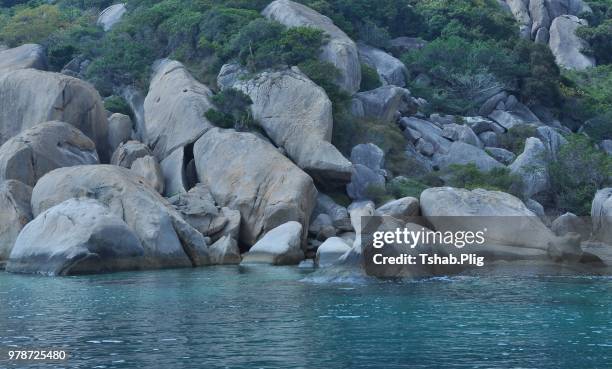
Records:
x=265, y=317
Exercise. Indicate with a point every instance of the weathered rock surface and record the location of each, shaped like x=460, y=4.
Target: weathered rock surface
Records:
x=391, y=70
x=43, y=148
x=368, y=160
x=111, y=15
x=552, y=140
x=338, y=214
x=532, y=168
x=401, y=209
x=247, y=174
x=601, y=214
x=174, y=109
x=501, y=155
x=383, y=103
x=330, y=251
x=279, y=246
x=571, y=223
x=179, y=171
x=22, y=57
x=512, y=230
x=427, y=131
x=225, y=251
x=168, y=241
x=461, y=153
x=77, y=236
x=148, y=168
x=29, y=97
x=462, y=133
x=16, y=213
x=297, y=115
x=128, y=152
x=340, y=51
x=119, y=130
x=566, y=46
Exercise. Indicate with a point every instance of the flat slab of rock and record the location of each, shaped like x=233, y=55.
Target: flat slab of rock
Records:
x=22, y=57
x=16, y=213
x=168, y=240
x=174, y=108
x=37, y=96
x=280, y=246
x=43, y=148
x=250, y=175
x=77, y=236
x=297, y=115
x=461, y=153
x=340, y=51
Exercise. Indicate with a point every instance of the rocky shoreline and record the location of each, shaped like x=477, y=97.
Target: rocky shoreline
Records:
x=84, y=190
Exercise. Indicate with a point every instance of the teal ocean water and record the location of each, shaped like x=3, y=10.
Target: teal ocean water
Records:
x=265, y=317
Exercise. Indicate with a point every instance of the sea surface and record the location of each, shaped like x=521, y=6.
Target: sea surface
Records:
x=285, y=317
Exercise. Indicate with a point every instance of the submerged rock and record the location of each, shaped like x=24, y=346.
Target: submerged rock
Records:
x=279, y=246
x=77, y=236
x=340, y=50
x=43, y=148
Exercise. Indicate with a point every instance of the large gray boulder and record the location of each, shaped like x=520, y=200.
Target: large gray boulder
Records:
x=531, y=167
x=461, y=153
x=427, y=131
x=404, y=209
x=119, y=130
x=29, y=97
x=571, y=223
x=340, y=50
x=247, y=174
x=566, y=46
x=501, y=155
x=330, y=251
x=168, y=241
x=297, y=115
x=551, y=139
x=384, y=103
x=462, y=133
x=368, y=160
x=22, y=57
x=43, y=148
x=601, y=213
x=111, y=15
x=77, y=236
x=16, y=213
x=279, y=246
x=174, y=109
x=539, y=16
x=510, y=229
x=337, y=213
x=391, y=71
x=225, y=251
x=179, y=173
x=148, y=168
x=128, y=152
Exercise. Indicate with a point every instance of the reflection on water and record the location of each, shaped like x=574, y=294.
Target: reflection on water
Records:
x=264, y=317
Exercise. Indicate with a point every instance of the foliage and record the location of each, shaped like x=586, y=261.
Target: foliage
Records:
x=587, y=93
x=600, y=127
x=232, y=110
x=590, y=170
x=600, y=41
x=470, y=177
x=378, y=194
x=514, y=139
x=34, y=25
x=403, y=187
x=369, y=78
x=116, y=104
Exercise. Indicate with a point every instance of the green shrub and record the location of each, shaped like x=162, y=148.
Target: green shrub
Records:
x=323, y=74
x=599, y=39
x=600, y=127
x=33, y=25
x=514, y=139
x=378, y=194
x=233, y=110
x=369, y=78
x=116, y=104
x=470, y=177
x=579, y=172
x=403, y=187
